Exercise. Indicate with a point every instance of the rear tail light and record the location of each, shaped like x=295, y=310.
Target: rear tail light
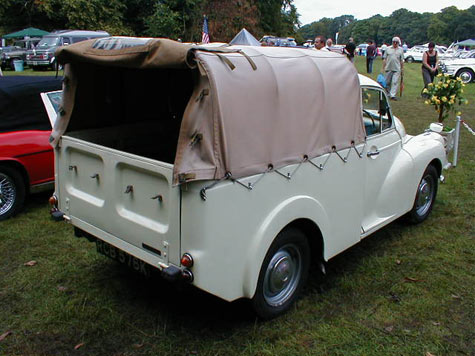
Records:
x=186, y=260
x=53, y=201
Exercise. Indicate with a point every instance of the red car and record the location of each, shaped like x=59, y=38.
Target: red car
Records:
x=26, y=158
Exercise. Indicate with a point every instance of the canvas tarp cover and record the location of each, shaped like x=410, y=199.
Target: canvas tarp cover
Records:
x=252, y=107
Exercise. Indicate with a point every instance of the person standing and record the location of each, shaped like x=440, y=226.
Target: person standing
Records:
x=384, y=47
x=350, y=49
x=370, y=55
x=430, y=65
x=320, y=42
x=393, y=64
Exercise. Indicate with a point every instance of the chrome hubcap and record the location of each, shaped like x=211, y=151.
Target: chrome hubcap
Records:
x=282, y=275
x=424, y=195
x=7, y=193
x=466, y=77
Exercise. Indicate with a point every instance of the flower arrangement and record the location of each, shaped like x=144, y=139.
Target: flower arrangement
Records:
x=444, y=93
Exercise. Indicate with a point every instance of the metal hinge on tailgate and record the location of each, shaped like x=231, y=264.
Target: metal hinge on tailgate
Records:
x=183, y=177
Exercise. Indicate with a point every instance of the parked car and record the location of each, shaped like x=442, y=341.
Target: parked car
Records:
x=43, y=55
x=361, y=49
x=463, y=67
x=232, y=168
x=415, y=54
x=17, y=52
x=278, y=41
x=26, y=158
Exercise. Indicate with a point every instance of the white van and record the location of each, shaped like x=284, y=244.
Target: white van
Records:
x=231, y=167
x=42, y=56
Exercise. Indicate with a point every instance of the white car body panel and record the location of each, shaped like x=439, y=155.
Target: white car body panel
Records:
x=230, y=232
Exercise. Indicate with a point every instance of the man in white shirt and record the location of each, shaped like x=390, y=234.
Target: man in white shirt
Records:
x=320, y=42
x=393, y=63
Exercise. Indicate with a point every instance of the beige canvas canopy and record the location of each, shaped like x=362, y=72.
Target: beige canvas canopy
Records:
x=251, y=108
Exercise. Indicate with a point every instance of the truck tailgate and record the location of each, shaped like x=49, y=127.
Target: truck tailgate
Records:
x=124, y=195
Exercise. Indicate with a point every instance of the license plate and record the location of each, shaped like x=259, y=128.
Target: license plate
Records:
x=35, y=63
x=122, y=257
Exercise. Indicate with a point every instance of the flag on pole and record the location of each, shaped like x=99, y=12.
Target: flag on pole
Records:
x=205, y=35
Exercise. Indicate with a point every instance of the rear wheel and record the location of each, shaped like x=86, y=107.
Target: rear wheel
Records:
x=466, y=74
x=409, y=59
x=12, y=192
x=283, y=274
x=425, y=196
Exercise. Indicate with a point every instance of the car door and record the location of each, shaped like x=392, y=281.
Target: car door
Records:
x=384, y=183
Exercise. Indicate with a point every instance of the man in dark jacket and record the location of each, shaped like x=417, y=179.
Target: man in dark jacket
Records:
x=350, y=49
x=370, y=56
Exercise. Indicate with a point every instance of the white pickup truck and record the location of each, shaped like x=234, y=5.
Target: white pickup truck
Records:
x=232, y=168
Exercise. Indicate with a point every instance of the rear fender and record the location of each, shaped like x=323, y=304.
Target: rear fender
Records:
x=297, y=207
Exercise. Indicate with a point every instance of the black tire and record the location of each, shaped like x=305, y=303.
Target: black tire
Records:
x=283, y=274
x=12, y=192
x=409, y=59
x=425, y=196
x=466, y=74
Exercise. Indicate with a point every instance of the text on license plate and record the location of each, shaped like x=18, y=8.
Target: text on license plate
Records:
x=122, y=257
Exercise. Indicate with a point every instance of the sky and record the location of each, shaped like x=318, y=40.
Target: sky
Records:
x=314, y=10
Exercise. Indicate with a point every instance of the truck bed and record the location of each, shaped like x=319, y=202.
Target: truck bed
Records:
x=155, y=140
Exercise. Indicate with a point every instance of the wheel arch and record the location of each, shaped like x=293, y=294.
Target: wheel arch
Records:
x=20, y=168
x=302, y=212
x=437, y=165
x=314, y=237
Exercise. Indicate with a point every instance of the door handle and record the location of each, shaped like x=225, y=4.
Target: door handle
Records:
x=372, y=153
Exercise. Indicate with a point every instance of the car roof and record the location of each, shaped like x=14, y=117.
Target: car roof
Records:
x=77, y=33
x=367, y=81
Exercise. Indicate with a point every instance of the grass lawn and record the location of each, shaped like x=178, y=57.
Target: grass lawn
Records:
x=406, y=290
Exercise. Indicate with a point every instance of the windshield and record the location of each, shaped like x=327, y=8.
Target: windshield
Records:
x=48, y=42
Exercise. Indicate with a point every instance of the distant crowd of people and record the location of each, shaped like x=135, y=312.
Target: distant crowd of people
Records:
x=393, y=60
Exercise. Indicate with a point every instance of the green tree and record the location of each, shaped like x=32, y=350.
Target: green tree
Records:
x=465, y=27
x=277, y=17
x=164, y=22
x=136, y=14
